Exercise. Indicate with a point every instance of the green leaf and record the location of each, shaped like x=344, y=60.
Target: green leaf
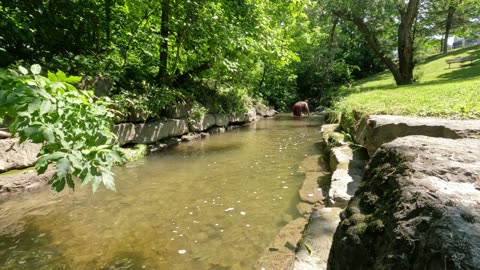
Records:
x=73, y=79
x=108, y=181
x=63, y=167
x=61, y=76
x=48, y=135
x=96, y=182
x=45, y=107
x=51, y=76
x=23, y=70
x=35, y=69
x=58, y=185
x=70, y=182
x=42, y=163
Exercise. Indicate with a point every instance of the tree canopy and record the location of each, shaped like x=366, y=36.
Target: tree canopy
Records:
x=224, y=54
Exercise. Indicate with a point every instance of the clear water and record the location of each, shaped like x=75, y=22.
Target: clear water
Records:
x=210, y=204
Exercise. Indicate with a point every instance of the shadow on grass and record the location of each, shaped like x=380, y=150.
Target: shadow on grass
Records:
x=455, y=53
x=461, y=73
x=466, y=71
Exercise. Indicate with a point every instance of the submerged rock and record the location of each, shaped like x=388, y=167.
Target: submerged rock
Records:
x=313, y=249
x=417, y=208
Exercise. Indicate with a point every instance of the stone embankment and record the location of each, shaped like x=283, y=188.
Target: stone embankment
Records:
x=281, y=253
x=142, y=136
x=415, y=206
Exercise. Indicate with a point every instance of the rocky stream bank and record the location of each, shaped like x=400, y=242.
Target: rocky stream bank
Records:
x=404, y=193
x=138, y=137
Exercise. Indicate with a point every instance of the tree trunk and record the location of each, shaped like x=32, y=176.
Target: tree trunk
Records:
x=406, y=38
x=448, y=27
x=374, y=45
x=403, y=73
x=108, y=19
x=331, y=38
x=162, y=71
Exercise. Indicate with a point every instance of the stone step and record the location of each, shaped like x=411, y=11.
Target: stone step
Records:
x=375, y=130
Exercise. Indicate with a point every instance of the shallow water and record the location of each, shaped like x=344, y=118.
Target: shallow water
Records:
x=210, y=204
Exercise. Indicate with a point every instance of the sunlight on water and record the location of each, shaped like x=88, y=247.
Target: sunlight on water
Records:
x=210, y=204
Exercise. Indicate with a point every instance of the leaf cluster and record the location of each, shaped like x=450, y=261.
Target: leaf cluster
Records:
x=75, y=130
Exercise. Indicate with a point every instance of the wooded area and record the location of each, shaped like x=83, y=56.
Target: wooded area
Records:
x=274, y=51
x=223, y=54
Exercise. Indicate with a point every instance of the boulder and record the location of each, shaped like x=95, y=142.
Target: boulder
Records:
x=125, y=132
x=249, y=116
x=191, y=137
x=178, y=111
x=137, y=116
x=197, y=124
x=374, y=130
x=264, y=111
x=149, y=132
x=102, y=86
x=24, y=181
x=176, y=127
x=217, y=130
x=5, y=134
x=416, y=208
x=17, y=156
x=221, y=120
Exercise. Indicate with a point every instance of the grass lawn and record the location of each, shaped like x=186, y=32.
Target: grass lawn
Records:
x=440, y=91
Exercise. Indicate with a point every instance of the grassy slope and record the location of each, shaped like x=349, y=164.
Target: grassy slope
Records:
x=441, y=92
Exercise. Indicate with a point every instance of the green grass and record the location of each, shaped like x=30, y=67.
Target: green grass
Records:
x=439, y=91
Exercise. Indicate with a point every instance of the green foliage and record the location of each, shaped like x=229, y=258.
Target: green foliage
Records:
x=74, y=129
x=149, y=100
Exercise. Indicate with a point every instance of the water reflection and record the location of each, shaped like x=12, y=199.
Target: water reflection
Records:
x=210, y=204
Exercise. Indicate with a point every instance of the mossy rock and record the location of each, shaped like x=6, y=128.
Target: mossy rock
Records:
x=134, y=153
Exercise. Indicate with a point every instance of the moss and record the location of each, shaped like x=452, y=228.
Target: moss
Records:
x=134, y=153
x=332, y=117
x=333, y=138
x=17, y=171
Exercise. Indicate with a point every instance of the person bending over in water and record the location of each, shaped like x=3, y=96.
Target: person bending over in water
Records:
x=298, y=108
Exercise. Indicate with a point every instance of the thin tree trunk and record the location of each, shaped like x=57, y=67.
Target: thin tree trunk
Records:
x=332, y=32
x=108, y=19
x=448, y=27
x=162, y=71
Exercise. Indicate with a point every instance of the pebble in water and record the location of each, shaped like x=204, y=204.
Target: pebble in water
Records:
x=182, y=251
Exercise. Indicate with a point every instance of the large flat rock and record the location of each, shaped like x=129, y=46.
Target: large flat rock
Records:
x=348, y=166
x=314, y=248
x=374, y=130
x=24, y=181
x=17, y=156
x=150, y=132
x=416, y=208
x=280, y=254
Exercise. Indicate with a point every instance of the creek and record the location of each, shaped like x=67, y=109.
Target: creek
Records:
x=215, y=203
